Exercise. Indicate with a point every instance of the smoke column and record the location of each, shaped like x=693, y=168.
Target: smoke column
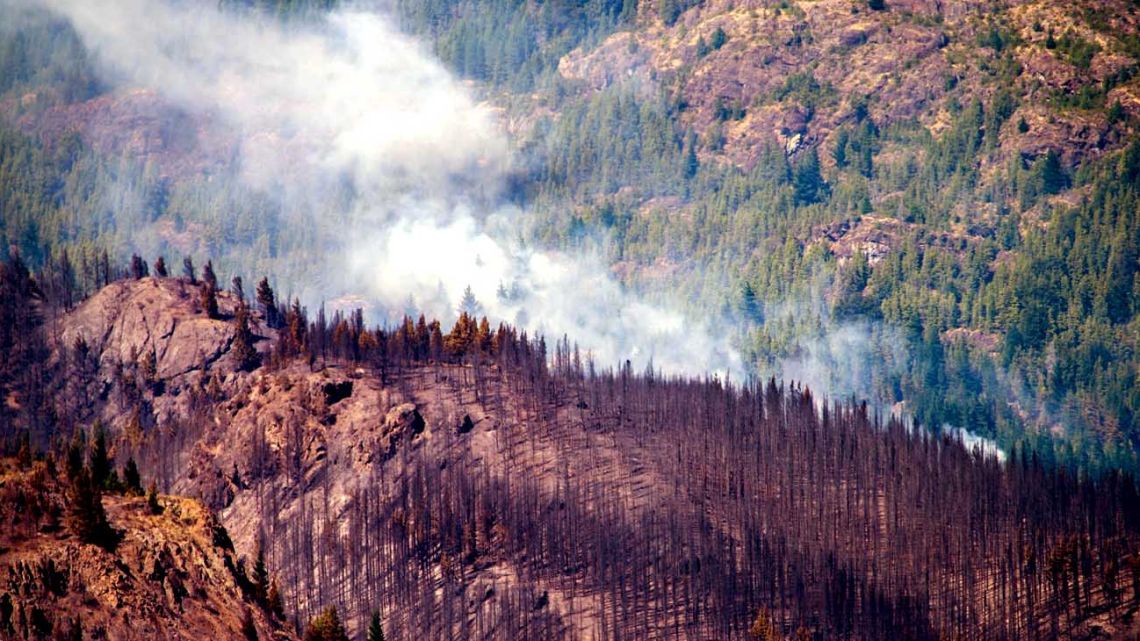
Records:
x=353, y=112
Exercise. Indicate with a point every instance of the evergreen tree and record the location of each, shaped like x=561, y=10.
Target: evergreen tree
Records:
x=131, y=480
x=87, y=518
x=469, y=305
x=160, y=267
x=188, y=270
x=152, y=504
x=24, y=452
x=719, y=38
x=1050, y=174
x=326, y=627
x=208, y=275
x=268, y=302
x=375, y=629
x=148, y=368
x=840, y=152
x=238, y=288
x=209, y=301
x=245, y=354
x=808, y=182
x=138, y=267
x=260, y=578
x=99, y=460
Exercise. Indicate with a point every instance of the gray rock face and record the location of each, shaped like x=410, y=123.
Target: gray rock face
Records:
x=130, y=319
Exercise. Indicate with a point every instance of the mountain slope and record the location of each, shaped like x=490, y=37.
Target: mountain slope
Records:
x=171, y=576
x=469, y=487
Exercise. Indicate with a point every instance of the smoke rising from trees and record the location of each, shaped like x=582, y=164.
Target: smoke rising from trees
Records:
x=363, y=136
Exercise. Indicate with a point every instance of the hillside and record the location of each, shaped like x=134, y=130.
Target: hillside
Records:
x=479, y=483
x=930, y=205
x=171, y=576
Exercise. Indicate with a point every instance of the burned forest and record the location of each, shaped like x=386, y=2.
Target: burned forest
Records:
x=480, y=483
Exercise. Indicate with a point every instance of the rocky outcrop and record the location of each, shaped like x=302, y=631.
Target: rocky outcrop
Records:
x=129, y=320
x=170, y=577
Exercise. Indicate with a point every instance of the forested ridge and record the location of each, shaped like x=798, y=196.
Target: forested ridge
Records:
x=481, y=482
x=964, y=232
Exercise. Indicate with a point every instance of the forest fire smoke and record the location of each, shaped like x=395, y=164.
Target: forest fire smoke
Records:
x=366, y=138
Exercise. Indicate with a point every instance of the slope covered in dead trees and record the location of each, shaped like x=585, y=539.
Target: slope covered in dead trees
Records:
x=481, y=483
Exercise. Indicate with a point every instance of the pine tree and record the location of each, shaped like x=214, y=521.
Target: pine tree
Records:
x=1050, y=175
x=375, y=630
x=326, y=627
x=807, y=181
x=152, y=504
x=87, y=519
x=160, y=267
x=268, y=302
x=238, y=288
x=148, y=368
x=208, y=275
x=469, y=304
x=244, y=352
x=131, y=480
x=75, y=455
x=99, y=460
x=260, y=578
x=210, y=301
x=188, y=270
x=719, y=38
x=138, y=267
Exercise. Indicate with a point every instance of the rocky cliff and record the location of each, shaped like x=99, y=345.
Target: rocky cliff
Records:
x=171, y=576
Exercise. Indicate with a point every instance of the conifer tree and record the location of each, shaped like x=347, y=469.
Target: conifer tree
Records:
x=244, y=352
x=268, y=302
x=326, y=627
x=138, y=267
x=131, y=480
x=99, y=460
x=375, y=629
x=209, y=301
x=807, y=181
x=87, y=518
x=208, y=275
x=238, y=288
x=160, y=267
x=260, y=577
x=188, y=270
x=152, y=503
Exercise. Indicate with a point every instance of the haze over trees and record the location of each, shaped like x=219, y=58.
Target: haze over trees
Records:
x=952, y=244
x=979, y=255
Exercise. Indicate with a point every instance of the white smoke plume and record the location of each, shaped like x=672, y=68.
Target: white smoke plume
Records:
x=365, y=136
